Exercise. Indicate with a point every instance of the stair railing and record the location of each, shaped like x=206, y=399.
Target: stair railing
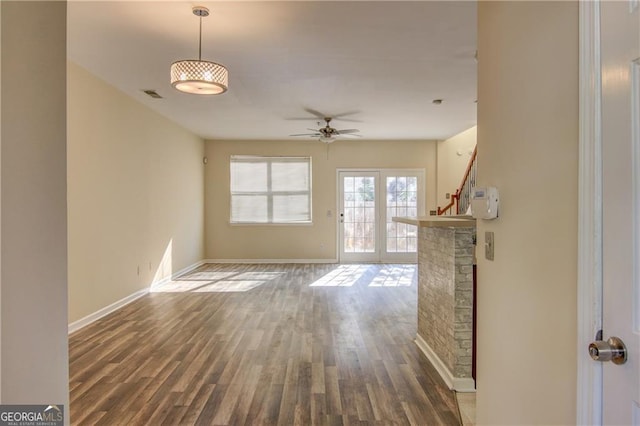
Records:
x=462, y=197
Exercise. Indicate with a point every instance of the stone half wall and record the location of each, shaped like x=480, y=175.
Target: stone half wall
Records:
x=445, y=295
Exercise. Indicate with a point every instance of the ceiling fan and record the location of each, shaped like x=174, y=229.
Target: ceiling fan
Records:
x=328, y=134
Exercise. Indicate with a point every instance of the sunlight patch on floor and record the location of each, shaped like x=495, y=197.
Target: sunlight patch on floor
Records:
x=342, y=276
x=178, y=286
x=216, y=282
x=208, y=275
x=394, y=276
x=378, y=276
x=266, y=276
x=229, y=286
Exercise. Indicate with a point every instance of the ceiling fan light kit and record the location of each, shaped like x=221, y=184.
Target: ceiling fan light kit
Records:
x=326, y=139
x=197, y=76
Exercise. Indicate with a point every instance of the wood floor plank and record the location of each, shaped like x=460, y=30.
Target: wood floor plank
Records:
x=317, y=378
x=303, y=397
x=332, y=390
x=250, y=384
x=174, y=416
x=211, y=406
x=318, y=409
x=194, y=409
x=259, y=345
x=93, y=418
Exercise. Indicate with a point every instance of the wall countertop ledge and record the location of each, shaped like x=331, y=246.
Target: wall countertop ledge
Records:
x=437, y=221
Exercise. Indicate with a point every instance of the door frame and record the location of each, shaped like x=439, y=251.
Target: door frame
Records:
x=589, y=285
x=421, y=201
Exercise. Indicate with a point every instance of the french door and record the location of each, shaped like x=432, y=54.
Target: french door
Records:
x=368, y=200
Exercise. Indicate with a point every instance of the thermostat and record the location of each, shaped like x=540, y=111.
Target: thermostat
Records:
x=484, y=202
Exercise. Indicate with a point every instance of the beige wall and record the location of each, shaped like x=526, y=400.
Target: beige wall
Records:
x=453, y=158
x=528, y=149
x=136, y=185
x=34, y=213
x=317, y=241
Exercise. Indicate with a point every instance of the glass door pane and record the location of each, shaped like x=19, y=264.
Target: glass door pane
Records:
x=403, y=196
x=359, y=216
x=402, y=200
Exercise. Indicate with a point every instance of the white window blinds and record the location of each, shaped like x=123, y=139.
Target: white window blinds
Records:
x=270, y=189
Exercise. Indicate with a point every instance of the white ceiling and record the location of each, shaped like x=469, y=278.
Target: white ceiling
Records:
x=380, y=63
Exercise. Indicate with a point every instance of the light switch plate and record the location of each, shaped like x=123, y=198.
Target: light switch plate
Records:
x=488, y=245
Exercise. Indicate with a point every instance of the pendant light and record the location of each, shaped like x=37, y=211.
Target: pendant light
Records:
x=197, y=76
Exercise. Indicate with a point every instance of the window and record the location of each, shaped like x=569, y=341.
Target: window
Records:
x=270, y=189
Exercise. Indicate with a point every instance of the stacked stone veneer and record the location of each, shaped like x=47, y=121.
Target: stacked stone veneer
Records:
x=445, y=295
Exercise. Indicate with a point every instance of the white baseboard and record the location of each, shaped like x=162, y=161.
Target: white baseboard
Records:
x=457, y=384
x=177, y=274
x=261, y=261
x=83, y=322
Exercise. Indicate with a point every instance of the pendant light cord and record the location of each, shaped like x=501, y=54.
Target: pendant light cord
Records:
x=200, y=41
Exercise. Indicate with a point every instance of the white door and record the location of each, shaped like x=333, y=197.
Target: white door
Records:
x=620, y=69
x=368, y=201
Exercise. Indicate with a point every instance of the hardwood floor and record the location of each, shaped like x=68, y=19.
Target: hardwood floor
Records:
x=262, y=344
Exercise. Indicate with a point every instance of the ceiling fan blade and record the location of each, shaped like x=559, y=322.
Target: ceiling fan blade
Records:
x=347, y=131
x=341, y=117
x=322, y=117
x=315, y=135
x=315, y=113
x=348, y=120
